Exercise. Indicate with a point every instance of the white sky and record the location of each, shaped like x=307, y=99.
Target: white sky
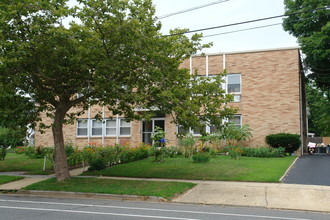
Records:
x=232, y=11
x=229, y=12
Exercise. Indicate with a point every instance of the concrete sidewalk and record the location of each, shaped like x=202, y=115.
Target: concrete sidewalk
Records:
x=267, y=195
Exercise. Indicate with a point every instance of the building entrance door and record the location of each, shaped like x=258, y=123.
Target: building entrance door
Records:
x=148, y=127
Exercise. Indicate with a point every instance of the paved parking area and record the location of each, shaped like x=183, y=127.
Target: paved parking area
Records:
x=311, y=170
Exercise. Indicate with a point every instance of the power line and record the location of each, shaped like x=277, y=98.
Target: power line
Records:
x=246, y=29
x=192, y=9
x=263, y=26
x=245, y=22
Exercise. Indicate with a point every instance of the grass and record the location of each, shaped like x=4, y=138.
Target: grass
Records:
x=7, y=179
x=129, y=187
x=219, y=168
x=19, y=162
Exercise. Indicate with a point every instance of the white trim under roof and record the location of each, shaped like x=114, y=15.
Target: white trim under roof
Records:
x=248, y=51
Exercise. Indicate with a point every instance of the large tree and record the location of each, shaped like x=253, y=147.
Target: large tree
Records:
x=113, y=55
x=312, y=28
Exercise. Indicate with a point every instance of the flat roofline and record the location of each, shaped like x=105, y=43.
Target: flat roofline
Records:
x=248, y=51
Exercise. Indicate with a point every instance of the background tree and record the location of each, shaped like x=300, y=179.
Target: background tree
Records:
x=312, y=29
x=114, y=56
x=319, y=108
x=17, y=112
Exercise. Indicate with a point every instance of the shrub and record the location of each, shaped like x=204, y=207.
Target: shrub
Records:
x=170, y=151
x=35, y=152
x=69, y=149
x=19, y=150
x=235, y=134
x=97, y=164
x=201, y=158
x=290, y=142
x=187, y=145
x=263, y=152
x=3, y=152
x=114, y=154
x=134, y=154
x=235, y=152
x=74, y=157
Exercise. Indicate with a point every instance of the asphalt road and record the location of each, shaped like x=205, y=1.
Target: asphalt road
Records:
x=34, y=208
x=310, y=170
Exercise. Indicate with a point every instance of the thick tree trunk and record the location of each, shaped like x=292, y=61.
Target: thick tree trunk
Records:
x=61, y=164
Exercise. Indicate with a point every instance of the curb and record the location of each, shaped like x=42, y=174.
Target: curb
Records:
x=90, y=195
x=288, y=170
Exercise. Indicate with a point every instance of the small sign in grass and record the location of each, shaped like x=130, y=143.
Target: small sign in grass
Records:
x=165, y=190
x=8, y=179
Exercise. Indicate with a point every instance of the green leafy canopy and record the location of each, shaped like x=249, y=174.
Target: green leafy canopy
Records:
x=312, y=28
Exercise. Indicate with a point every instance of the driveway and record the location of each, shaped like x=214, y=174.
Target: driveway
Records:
x=311, y=170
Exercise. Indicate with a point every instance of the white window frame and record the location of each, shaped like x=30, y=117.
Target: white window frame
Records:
x=91, y=127
x=241, y=120
x=235, y=94
x=208, y=127
x=77, y=127
x=119, y=127
x=106, y=127
x=199, y=134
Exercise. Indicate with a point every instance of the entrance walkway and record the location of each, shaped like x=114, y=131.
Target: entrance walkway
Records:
x=310, y=170
x=30, y=179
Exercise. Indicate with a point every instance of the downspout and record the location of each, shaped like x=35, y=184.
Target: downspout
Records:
x=103, y=125
x=224, y=68
x=117, y=130
x=207, y=65
x=88, y=124
x=190, y=65
x=224, y=61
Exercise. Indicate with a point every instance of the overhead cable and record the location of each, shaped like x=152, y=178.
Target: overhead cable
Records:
x=257, y=27
x=246, y=29
x=246, y=22
x=192, y=9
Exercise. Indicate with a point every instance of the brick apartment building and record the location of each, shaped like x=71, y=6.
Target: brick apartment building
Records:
x=267, y=86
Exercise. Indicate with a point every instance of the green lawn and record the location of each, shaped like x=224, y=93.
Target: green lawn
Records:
x=219, y=168
x=129, y=187
x=19, y=162
x=7, y=179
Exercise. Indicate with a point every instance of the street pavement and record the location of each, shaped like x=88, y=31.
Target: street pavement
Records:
x=310, y=170
x=40, y=208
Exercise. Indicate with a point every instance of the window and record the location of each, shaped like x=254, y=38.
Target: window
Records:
x=82, y=127
x=107, y=127
x=110, y=127
x=213, y=129
x=234, y=86
x=96, y=127
x=125, y=127
x=200, y=130
x=234, y=83
x=236, y=120
x=182, y=130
